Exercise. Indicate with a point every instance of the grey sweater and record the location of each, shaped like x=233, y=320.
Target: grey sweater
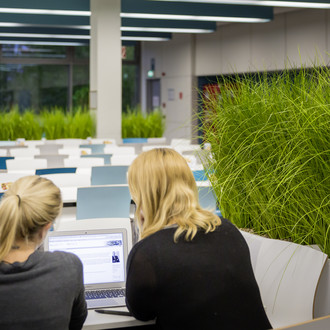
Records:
x=44, y=292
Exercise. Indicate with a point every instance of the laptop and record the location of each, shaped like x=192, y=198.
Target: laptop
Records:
x=104, y=255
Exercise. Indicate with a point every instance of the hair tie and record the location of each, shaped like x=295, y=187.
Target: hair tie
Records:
x=19, y=200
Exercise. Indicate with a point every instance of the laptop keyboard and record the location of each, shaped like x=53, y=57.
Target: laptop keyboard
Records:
x=105, y=293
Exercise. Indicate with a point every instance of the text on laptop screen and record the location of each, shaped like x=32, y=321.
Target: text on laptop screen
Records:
x=102, y=255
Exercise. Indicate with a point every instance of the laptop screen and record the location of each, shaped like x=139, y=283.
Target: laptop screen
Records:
x=102, y=254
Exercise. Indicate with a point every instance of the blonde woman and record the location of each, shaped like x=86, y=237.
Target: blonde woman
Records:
x=38, y=290
x=190, y=269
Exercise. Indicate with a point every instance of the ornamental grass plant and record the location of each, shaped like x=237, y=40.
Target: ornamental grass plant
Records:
x=270, y=158
x=135, y=124
x=53, y=124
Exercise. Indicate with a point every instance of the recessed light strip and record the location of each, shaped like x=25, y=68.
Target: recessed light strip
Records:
x=170, y=30
x=37, y=35
x=46, y=43
x=144, y=39
x=45, y=12
x=11, y=24
x=196, y=18
x=294, y=4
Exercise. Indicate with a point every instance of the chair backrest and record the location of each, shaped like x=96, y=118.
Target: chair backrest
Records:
x=178, y=142
x=161, y=140
x=33, y=143
x=3, y=164
x=69, y=179
x=200, y=175
x=43, y=171
x=83, y=162
x=104, y=141
x=24, y=152
x=190, y=147
x=3, y=152
x=53, y=160
x=135, y=140
x=69, y=143
x=207, y=199
x=103, y=202
x=105, y=157
x=105, y=175
x=287, y=275
x=25, y=164
x=48, y=149
x=95, y=148
x=119, y=150
x=74, y=151
x=122, y=159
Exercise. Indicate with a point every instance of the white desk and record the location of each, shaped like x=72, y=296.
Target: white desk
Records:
x=106, y=321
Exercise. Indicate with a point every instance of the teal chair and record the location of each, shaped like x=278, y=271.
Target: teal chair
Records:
x=103, y=202
x=207, y=199
x=106, y=157
x=3, y=164
x=95, y=148
x=200, y=175
x=105, y=175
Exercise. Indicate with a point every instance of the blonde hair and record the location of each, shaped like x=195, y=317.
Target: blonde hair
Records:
x=164, y=189
x=29, y=204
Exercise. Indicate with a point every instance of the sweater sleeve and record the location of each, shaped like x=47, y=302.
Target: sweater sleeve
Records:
x=79, y=308
x=141, y=285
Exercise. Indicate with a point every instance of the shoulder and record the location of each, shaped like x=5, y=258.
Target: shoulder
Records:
x=63, y=258
x=148, y=247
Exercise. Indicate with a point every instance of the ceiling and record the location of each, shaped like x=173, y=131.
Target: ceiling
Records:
x=67, y=22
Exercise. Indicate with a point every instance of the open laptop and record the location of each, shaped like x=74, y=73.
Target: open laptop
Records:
x=104, y=255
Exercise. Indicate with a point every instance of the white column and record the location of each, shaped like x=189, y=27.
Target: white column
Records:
x=105, y=67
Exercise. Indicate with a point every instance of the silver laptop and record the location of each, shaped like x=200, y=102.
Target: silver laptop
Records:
x=104, y=255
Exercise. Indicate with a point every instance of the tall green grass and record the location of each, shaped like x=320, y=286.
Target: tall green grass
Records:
x=53, y=124
x=270, y=140
x=135, y=124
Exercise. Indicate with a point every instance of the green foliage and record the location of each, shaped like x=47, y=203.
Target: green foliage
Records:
x=135, y=124
x=270, y=153
x=54, y=123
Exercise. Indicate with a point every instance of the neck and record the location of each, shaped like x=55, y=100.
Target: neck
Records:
x=20, y=251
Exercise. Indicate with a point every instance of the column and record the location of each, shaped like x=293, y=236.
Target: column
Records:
x=105, y=67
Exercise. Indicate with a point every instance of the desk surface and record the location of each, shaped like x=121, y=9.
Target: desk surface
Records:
x=106, y=321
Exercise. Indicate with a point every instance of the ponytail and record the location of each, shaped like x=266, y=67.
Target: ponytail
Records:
x=10, y=215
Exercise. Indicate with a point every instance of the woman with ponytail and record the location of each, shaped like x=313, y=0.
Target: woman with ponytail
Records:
x=190, y=269
x=38, y=290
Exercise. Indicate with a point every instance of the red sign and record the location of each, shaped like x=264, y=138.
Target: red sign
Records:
x=123, y=52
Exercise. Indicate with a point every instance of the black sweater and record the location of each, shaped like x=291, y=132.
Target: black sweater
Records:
x=207, y=283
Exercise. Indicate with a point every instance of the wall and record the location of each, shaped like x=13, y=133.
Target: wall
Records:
x=174, y=65
x=293, y=38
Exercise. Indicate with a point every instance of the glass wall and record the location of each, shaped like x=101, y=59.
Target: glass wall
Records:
x=44, y=77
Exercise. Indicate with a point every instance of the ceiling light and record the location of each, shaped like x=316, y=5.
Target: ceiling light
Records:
x=196, y=18
x=46, y=43
x=297, y=4
x=45, y=12
x=169, y=29
x=37, y=35
x=275, y=3
x=144, y=39
x=9, y=24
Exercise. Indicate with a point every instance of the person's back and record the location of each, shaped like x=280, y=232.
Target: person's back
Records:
x=191, y=269
x=41, y=293
x=207, y=283
x=38, y=290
